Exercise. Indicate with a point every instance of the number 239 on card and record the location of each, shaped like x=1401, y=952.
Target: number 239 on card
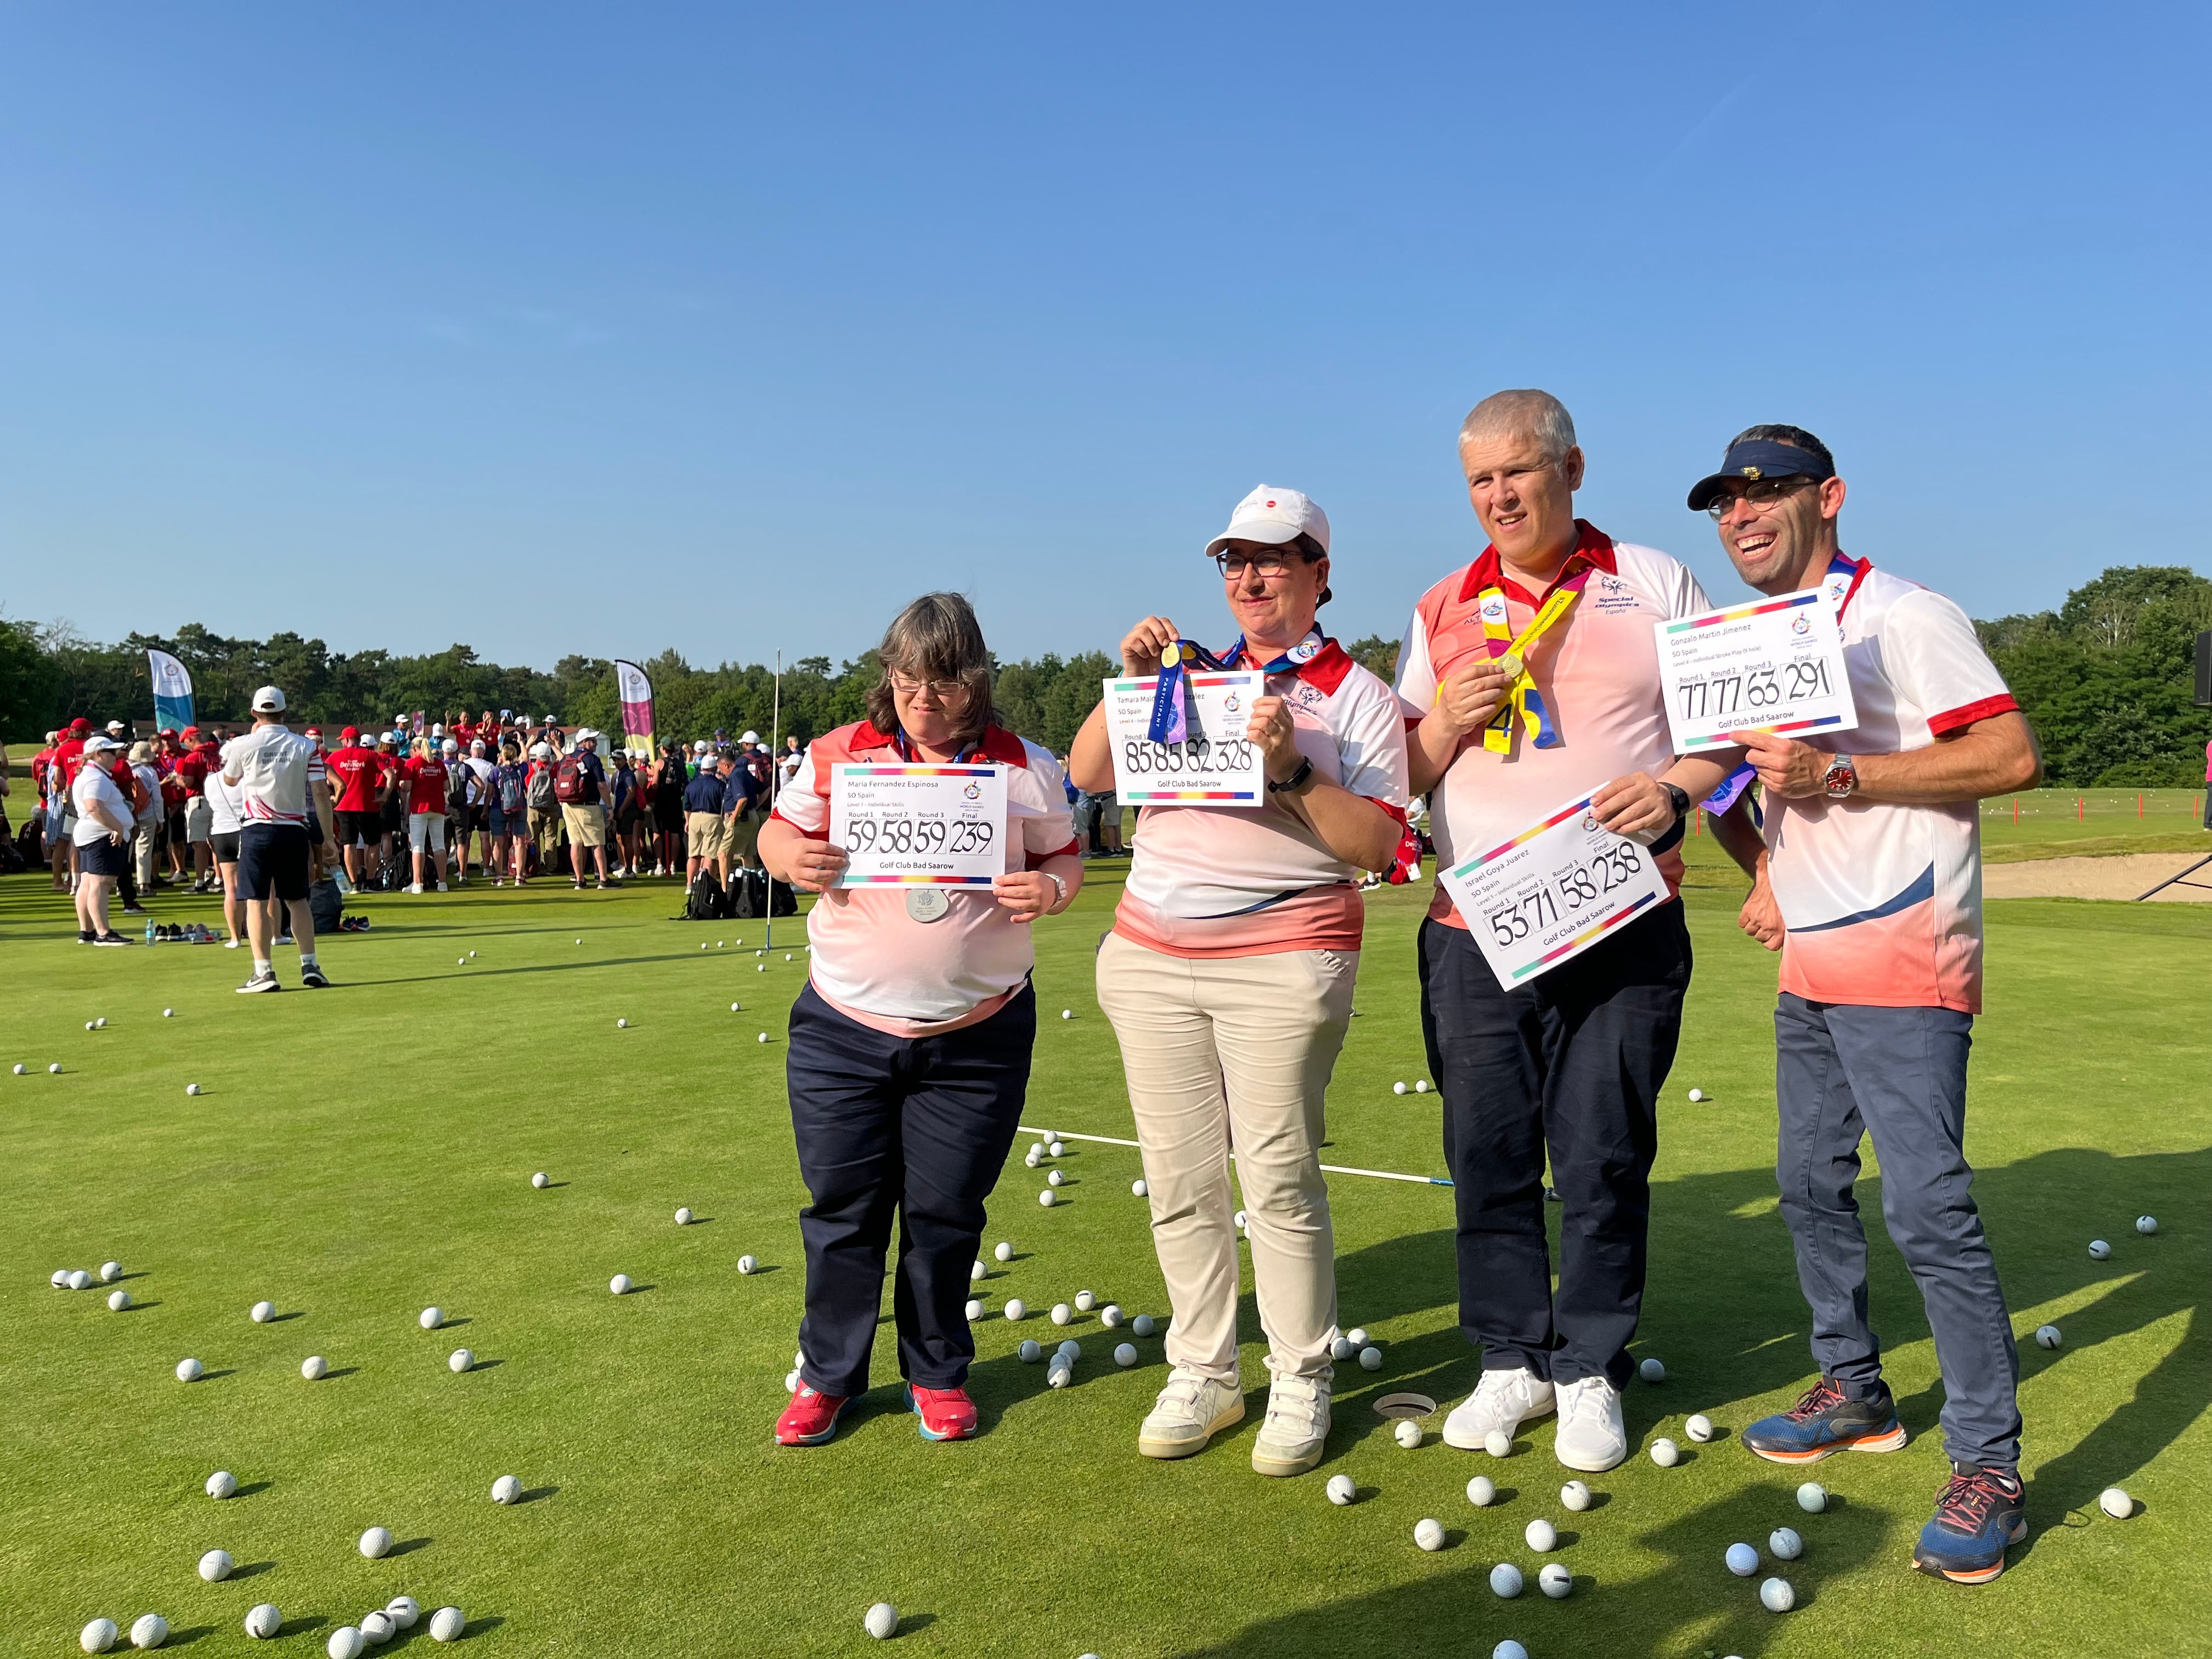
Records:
x=919, y=824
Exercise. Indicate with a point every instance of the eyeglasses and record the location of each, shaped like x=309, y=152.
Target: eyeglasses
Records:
x=1267, y=565
x=1764, y=492
x=945, y=691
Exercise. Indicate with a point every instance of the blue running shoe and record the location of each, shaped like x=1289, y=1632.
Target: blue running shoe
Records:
x=1824, y=1422
x=1979, y=1512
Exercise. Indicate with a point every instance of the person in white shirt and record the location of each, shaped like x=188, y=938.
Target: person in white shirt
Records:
x=101, y=834
x=147, y=821
x=270, y=765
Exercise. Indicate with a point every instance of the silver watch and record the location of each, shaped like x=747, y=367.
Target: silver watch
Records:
x=1841, y=777
x=1056, y=881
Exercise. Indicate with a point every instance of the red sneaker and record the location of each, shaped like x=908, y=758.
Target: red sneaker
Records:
x=945, y=1414
x=809, y=1420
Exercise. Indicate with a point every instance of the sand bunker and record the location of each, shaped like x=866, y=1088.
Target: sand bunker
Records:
x=2127, y=876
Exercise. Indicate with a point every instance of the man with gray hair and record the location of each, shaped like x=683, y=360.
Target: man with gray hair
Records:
x=1528, y=679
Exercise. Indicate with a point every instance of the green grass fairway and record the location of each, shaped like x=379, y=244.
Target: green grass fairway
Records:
x=361, y=1152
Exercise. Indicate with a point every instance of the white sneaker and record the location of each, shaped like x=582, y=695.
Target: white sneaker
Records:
x=441, y=887
x=416, y=887
x=1502, y=1402
x=1296, y=1429
x=1591, y=1436
x=1190, y=1412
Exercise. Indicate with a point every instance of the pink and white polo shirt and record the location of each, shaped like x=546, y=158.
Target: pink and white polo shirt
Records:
x=1217, y=881
x=1883, y=901
x=1598, y=668
x=875, y=963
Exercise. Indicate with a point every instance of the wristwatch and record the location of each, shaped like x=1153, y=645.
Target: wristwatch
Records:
x=1296, y=781
x=1680, y=796
x=1059, y=883
x=1841, y=777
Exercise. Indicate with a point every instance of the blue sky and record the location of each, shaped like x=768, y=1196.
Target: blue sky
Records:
x=605, y=329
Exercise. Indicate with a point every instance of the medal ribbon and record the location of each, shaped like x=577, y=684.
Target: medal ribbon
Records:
x=1512, y=650
x=1170, y=718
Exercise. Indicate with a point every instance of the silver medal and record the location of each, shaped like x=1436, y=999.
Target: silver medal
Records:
x=926, y=903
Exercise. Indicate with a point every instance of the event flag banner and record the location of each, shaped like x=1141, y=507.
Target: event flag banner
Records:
x=172, y=691
x=1552, y=891
x=1215, y=765
x=1774, y=665
x=635, y=692
x=919, y=825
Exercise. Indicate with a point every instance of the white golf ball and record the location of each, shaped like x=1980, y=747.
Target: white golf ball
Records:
x=1061, y=1313
x=1652, y=1371
x=1340, y=1489
x=541, y=1181
x=375, y=1542
x=1140, y=1189
x=683, y=1217
x=974, y=1310
x=786, y=956
x=314, y=1368
x=430, y=1318
x=87, y=1025
x=109, y=1272
x=2116, y=1503
x=1144, y=1325
x=1084, y=1301
x=473, y=956
x=619, y=1285
x=1031, y=1158
x=1742, y=1561
x=747, y=1264
x=120, y=1301
x=264, y=1621
x=1242, y=1220
x=1340, y=1349
x=1057, y=1150
x=1542, y=1536
x=1407, y=1432
x=346, y=1643
x=1665, y=1453
x=221, y=1484
x=1037, y=1150
x=1109, y=1316
x=59, y=1279
x=148, y=1630
x=1776, y=1596
x=447, y=1625
x=1812, y=1497
x=1697, y=1095
x=737, y=1008
x=2047, y=1336
x=1071, y=1351
x=881, y=1621
x=580, y=941
x=262, y=1312
x=760, y=967
x=1016, y=1309
x=1575, y=1496
x=188, y=1370
x=1784, y=1545
x=1555, y=1580
x=403, y=1611
x=80, y=1280
x=168, y=1014
x=505, y=1489
x=1053, y=1179
x=791, y=1379
x=1428, y=1534
x=2099, y=1250
x=1046, y=1197
x=1067, y=1013
x=1699, y=1427
x=191, y=1088
x=54, y=1070
x=1125, y=1355
x=1357, y=1337
x=1031, y=1350
x=977, y=1271
x=215, y=1566
x=1498, y=1443
x=1398, y=1088
x=377, y=1628
x=1505, y=1580
x=1371, y=1359
x=2145, y=1223
x=1482, y=1491
x=21, y=1068
x=1059, y=1374
x=763, y=1036
x=97, y=1636
x=1002, y=1252
x=459, y=1360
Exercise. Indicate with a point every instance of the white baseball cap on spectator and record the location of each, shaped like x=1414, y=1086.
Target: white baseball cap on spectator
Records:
x=437, y=731
x=475, y=745
x=116, y=728
x=749, y=738
x=98, y=745
x=268, y=701
x=700, y=747
x=449, y=747
x=1271, y=517
x=541, y=751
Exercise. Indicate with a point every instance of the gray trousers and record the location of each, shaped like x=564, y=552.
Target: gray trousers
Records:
x=1899, y=1075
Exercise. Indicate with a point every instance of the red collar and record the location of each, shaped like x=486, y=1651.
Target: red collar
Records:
x=1325, y=670
x=1860, y=567
x=999, y=744
x=1592, y=547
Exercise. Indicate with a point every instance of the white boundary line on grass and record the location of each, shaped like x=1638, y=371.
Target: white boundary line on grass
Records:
x=1331, y=1169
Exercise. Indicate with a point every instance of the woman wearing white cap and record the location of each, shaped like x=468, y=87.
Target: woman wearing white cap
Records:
x=1229, y=976
x=101, y=835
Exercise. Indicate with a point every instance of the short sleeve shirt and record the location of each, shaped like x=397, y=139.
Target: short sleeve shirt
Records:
x=356, y=772
x=269, y=766
x=1597, y=668
x=96, y=784
x=426, y=779
x=1883, y=901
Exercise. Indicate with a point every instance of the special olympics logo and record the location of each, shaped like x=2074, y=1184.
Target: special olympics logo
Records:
x=1589, y=822
x=1493, y=608
x=1800, y=626
x=1231, y=703
x=973, y=792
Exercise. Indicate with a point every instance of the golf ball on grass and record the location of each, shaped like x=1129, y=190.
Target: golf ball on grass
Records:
x=2146, y=1225
x=1700, y=1428
x=120, y=1301
x=447, y=1625
x=1067, y=1013
x=1555, y=1580
x=264, y=1621
x=505, y=1489
x=1407, y=1433
x=1061, y=1313
x=346, y=1643
x=1812, y=1497
x=1742, y=1561
x=148, y=1630
x=1139, y=1189
x=1697, y=1095
x=80, y=1280
x=541, y=1181
x=189, y=1370
x=1046, y=1197
x=1371, y=1359
x=622, y=1025
x=974, y=1310
x=1340, y=1349
x=1651, y=1371
x=1784, y=1545
x=109, y=1272
x=1071, y=1351
x=1776, y=1595
x=2116, y=1503
x=215, y=1566
x=21, y=1068
x=683, y=1217
x=262, y=1312
x=1126, y=1355
x=54, y=1070
x=881, y=1621
x=314, y=1368
x=1357, y=1336
x=747, y=1264
x=1498, y=1443
x=1059, y=1374
x=2047, y=1336
x=430, y=1318
x=191, y=1088
x=1340, y=1489
x=1665, y=1453
x=87, y=1025
x=1505, y=1581
x=1242, y=1220
x=763, y=1036
x=1016, y=1309
x=1031, y=1158
x=1542, y=1536
x=1031, y=1351
x=1144, y=1325
x=1482, y=1491
x=619, y=1285
x=375, y=1542
x=2099, y=1250
x=97, y=1637
x=377, y=1628
x=791, y=1379
x=59, y=1279
x=460, y=1360
x=1003, y=1252
x=1084, y=1301
x=737, y=1008
x=1057, y=1150
x=977, y=1272
x=168, y=1014
x=221, y=1484
x=1397, y=1088
x=1053, y=1179
x=402, y=1610
x=1575, y=1496
x=1428, y=1534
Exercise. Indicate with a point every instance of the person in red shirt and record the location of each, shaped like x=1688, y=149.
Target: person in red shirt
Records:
x=202, y=756
x=423, y=783
x=46, y=775
x=356, y=775
x=67, y=753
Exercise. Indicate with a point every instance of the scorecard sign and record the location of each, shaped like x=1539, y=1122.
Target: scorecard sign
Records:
x=1216, y=766
x=919, y=824
x=1774, y=665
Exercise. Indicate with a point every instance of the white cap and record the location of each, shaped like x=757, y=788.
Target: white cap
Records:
x=268, y=701
x=450, y=747
x=1274, y=516
x=113, y=727
x=389, y=737
x=437, y=731
x=749, y=737
x=477, y=747
x=100, y=743
x=700, y=747
x=541, y=751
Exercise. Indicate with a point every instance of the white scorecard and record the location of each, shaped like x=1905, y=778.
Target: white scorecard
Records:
x=1214, y=766
x=918, y=824
x=1774, y=665
x=1552, y=891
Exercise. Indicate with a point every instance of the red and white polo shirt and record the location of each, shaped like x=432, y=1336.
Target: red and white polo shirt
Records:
x=875, y=963
x=1883, y=901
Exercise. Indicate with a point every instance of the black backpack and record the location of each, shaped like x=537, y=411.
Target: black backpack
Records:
x=706, y=902
x=748, y=894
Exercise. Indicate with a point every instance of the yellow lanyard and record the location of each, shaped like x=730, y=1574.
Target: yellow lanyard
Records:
x=1522, y=697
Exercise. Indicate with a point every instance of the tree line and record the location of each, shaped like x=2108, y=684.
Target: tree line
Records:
x=2105, y=680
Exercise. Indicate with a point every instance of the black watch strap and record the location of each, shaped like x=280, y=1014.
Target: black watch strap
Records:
x=1296, y=779
x=1680, y=796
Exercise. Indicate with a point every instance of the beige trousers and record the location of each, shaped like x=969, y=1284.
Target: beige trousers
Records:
x=1223, y=1051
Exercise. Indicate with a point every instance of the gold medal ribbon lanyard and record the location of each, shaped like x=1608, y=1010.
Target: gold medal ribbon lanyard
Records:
x=1511, y=652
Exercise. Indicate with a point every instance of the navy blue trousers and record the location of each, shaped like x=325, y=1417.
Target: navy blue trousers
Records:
x=1571, y=1063
x=916, y=1128
x=1843, y=1071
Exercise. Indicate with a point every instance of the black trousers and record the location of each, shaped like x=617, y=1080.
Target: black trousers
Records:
x=917, y=1128
x=1572, y=1063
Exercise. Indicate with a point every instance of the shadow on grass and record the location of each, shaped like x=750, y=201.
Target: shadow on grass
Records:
x=252, y=1569
x=279, y=1319
x=535, y=1494
x=185, y=1637
x=407, y=1547
x=343, y=1370
x=248, y=1490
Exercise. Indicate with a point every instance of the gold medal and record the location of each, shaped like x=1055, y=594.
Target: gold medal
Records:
x=1171, y=656
x=1512, y=663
